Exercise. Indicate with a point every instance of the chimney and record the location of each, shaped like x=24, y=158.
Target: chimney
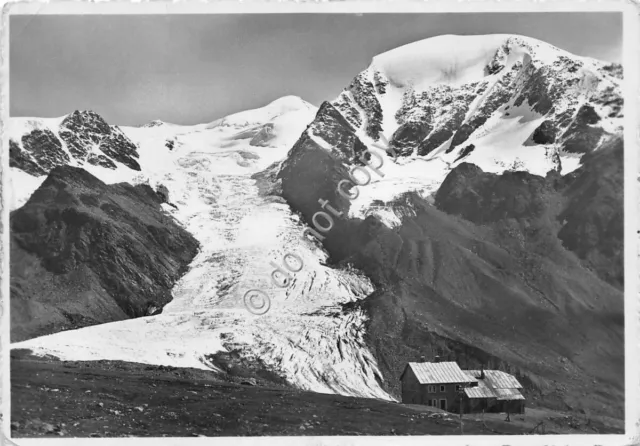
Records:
x=482, y=371
x=423, y=359
x=436, y=359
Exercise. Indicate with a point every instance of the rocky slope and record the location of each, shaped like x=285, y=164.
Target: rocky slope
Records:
x=85, y=253
x=584, y=209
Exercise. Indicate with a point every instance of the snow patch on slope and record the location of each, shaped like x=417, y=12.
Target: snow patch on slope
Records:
x=20, y=187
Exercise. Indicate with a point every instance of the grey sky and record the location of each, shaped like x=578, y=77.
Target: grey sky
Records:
x=190, y=69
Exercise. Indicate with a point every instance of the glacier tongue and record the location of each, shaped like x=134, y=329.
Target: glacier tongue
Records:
x=305, y=337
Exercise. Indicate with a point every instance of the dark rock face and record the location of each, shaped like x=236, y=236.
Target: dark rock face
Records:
x=336, y=131
x=465, y=152
x=537, y=91
x=582, y=136
x=120, y=148
x=465, y=130
x=568, y=64
x=486, y=197
x=163, y=193
x=74, y=142
x=499, y=95
x=443, y=133
x=584, y=210
x=609, y=98
x=81, y=132
x=364, y=94
x=311, y=172
x=87, y=122
x=347, y=107
x=380, y=82
x=614, y=69
x=83, y=252
x=23, y=160
x=545, y=133
x=82, y=129
x=593, y=218
x=45, y=148
x=587, y=115
x=307, y=169
x=404, y=139
x=429, y=118
x=100, y=160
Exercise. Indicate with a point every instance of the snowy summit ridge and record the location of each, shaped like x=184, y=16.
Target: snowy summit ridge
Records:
x=454, y=98
x=453, y=59
x=278, y=107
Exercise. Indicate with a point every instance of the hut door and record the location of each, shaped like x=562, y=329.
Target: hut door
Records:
x=443, y=404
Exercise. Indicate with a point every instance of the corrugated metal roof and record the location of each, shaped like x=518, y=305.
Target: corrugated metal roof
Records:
x=497, y=379
x=508, y=394
x=439, y=373
x=481, y=391
x=496, y=384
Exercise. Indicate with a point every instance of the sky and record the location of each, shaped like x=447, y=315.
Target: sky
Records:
x=191, y=69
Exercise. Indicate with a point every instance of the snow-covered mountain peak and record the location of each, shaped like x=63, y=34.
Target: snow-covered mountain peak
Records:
x=276, y=108
x=433, y=95
x=154, y=123
x=289, y=103
x=456, y=59
x=85, y=115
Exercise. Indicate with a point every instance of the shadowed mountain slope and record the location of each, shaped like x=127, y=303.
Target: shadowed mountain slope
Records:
x=83, y=253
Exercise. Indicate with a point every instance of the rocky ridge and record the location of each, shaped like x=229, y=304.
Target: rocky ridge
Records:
x=82, y=137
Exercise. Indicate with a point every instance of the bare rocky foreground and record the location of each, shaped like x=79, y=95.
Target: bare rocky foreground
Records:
x=50, y=398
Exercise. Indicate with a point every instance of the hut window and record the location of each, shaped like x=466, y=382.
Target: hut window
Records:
x=442, y=388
